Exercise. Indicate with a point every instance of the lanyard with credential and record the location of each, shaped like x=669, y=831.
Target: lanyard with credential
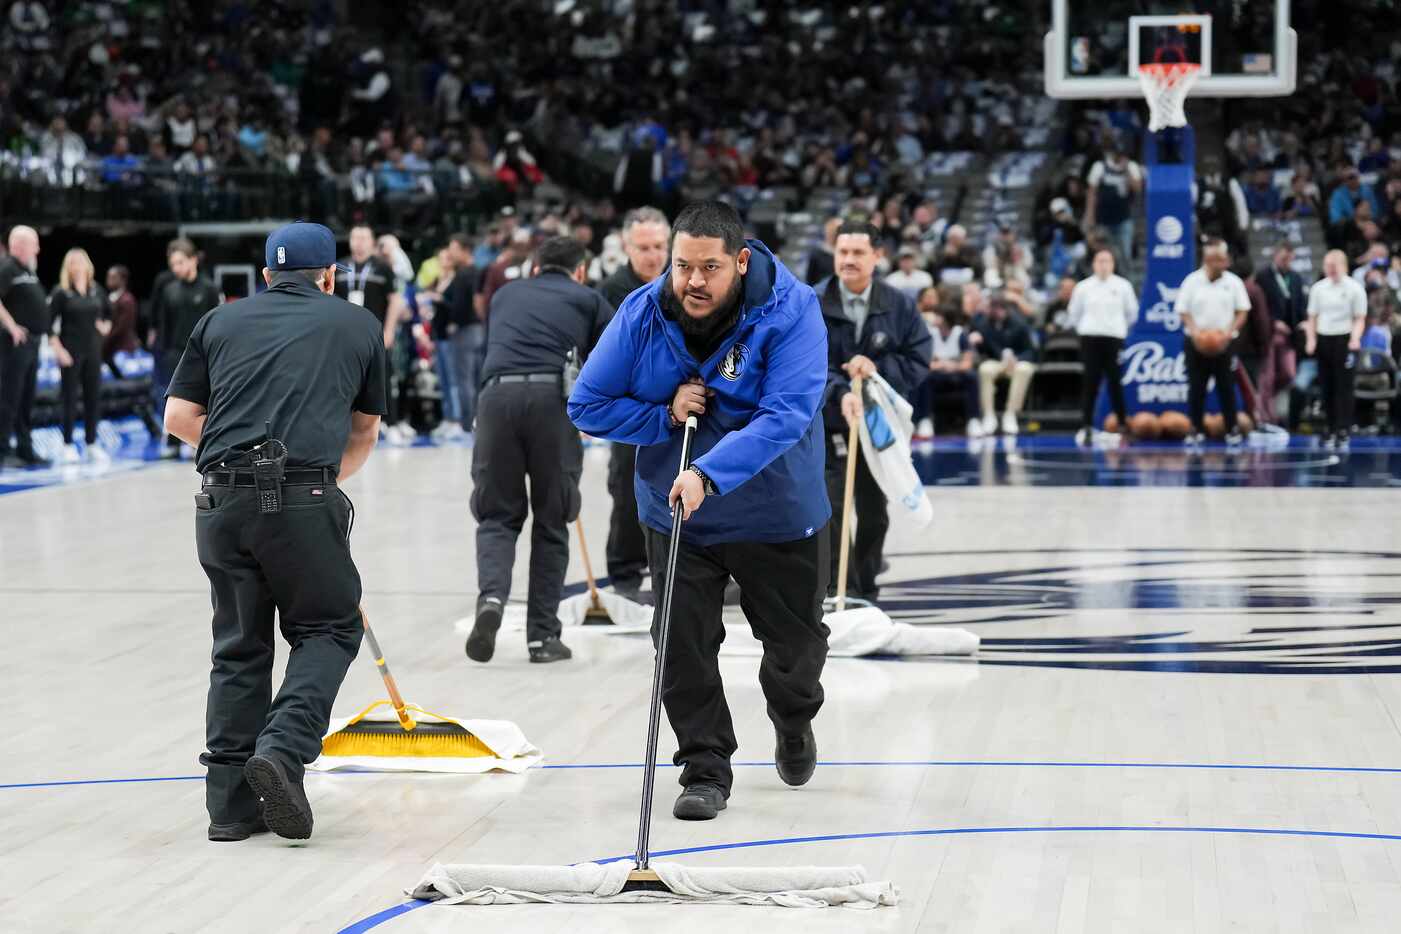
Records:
x=364, y=274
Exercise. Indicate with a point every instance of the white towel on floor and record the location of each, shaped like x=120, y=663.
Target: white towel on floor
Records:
x=785, y=887
x=868, y=631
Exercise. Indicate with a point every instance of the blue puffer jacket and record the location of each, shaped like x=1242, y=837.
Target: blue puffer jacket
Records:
x=760, y=441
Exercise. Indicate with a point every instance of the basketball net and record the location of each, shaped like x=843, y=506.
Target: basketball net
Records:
x=1165, y=86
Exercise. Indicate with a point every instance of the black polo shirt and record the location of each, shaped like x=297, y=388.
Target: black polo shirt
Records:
x=179, y=307
x=291, y=355
x=371, y=282
x=23, y=297
x=534, y=323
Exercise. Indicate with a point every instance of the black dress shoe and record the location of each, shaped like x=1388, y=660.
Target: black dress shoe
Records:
x=796, y=757
x=701, y=801
x=481, y=643
x=548, y=650
x=285, y=807
x=238, y=830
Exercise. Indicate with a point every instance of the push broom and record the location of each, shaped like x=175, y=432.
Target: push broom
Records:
x=404, y=736
x=644, y=881
x=597, y=607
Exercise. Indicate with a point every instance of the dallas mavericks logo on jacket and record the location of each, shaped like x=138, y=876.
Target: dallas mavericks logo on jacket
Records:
x=760, y=438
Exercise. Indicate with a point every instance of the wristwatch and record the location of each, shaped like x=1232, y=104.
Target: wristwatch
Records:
x=705, y=481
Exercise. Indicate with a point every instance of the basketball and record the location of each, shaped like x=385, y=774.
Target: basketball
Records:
x=1245, y=423
x=1111, y=422
x=1145, y=426
x=1175, y=425
x=1211, y=343
x=1215, y=425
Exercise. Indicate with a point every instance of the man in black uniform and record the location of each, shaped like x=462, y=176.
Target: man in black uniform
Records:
x=369, y=281
x=645, y=236
x=24, y=319
x=181, y=301
x=871, y=328
x=535, y=326
x=293, y=366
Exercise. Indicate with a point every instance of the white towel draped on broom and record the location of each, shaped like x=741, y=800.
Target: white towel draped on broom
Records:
x=512, y=752
x=590, y=883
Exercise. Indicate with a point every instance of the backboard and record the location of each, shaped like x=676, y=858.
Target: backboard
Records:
x=1246, y=48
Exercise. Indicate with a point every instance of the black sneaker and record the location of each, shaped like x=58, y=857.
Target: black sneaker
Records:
x=701, y=801
x=238, y=830
x=548, y=650
x=285, y=807
x=481, y=643
x=796, y=757
x=30, y=459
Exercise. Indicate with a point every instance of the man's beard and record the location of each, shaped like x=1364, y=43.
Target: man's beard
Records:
x=719, y=318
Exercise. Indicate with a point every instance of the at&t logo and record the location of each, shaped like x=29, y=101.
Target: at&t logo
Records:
x=1168, y=231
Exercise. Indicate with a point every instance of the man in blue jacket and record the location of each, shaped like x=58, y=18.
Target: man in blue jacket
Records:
x=730, y=335
x=871, y=328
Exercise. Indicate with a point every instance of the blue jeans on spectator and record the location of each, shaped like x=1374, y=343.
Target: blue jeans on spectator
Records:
x=1121, y=235
x=468, y=348
x=447, y=379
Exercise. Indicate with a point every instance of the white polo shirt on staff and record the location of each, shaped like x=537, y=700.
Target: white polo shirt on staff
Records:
x=1213, y=305
x=1336, y=306
x=1103, y=307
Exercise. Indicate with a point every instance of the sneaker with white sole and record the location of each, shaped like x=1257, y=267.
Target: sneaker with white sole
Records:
x=975, y=428
x=989, y=424
x=1009, y=423
x=925, y=428
x=70, y=455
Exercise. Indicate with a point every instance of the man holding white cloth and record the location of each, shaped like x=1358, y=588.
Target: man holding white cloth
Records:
x=1102, y=309
x=1333, y=329
x=1211, y=299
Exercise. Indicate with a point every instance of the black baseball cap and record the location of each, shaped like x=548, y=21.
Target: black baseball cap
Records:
x=300, y=246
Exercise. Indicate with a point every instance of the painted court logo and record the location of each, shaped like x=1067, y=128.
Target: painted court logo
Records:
x=733, y=364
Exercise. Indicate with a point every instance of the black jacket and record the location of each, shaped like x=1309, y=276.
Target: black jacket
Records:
x=894, y=336
x=620, y=285
x=1013, y=335
x=1289, y=308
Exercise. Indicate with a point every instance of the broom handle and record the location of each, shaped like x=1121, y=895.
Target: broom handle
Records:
x=649, y=764
x=853, y=444
x=406, y=721
x=588, y=565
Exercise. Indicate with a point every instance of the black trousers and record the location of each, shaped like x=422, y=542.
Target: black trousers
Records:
x=1100, y=356
x=1336, y=380
x=868, y=510
x=86, y=372
x=963, y=382
x=297, y=563
x=627, y=545
x=524, y=431
x=19, y=374
x=1200, y=369
x=781, y=589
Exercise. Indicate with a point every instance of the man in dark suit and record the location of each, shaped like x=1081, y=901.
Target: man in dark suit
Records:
x=871, y=328
x=1284, y=293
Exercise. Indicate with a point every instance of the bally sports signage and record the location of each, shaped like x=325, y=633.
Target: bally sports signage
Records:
x=1154, y=369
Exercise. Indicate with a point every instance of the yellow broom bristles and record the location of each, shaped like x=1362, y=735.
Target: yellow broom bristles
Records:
x=406, y=745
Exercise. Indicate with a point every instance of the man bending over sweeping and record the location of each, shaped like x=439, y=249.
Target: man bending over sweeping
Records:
x=727, y=334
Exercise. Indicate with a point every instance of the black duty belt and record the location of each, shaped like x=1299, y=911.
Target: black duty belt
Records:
x=552, y=378
x=295, y=476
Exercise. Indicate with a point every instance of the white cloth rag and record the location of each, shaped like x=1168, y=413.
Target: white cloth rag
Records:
x=868, y=631
x=588, y=883
x=885, y=444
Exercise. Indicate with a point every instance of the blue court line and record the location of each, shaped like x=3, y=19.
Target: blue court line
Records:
x=359, y=927
x=837, y=763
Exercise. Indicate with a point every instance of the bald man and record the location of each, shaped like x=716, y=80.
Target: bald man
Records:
x=24, y=318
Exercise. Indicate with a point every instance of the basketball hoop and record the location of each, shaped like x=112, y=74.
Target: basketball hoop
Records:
x=1165, y=86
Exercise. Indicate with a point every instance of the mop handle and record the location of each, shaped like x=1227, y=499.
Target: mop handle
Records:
x=406, y=721
x=649, y=764
x=588, y=565
x=852, y=446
